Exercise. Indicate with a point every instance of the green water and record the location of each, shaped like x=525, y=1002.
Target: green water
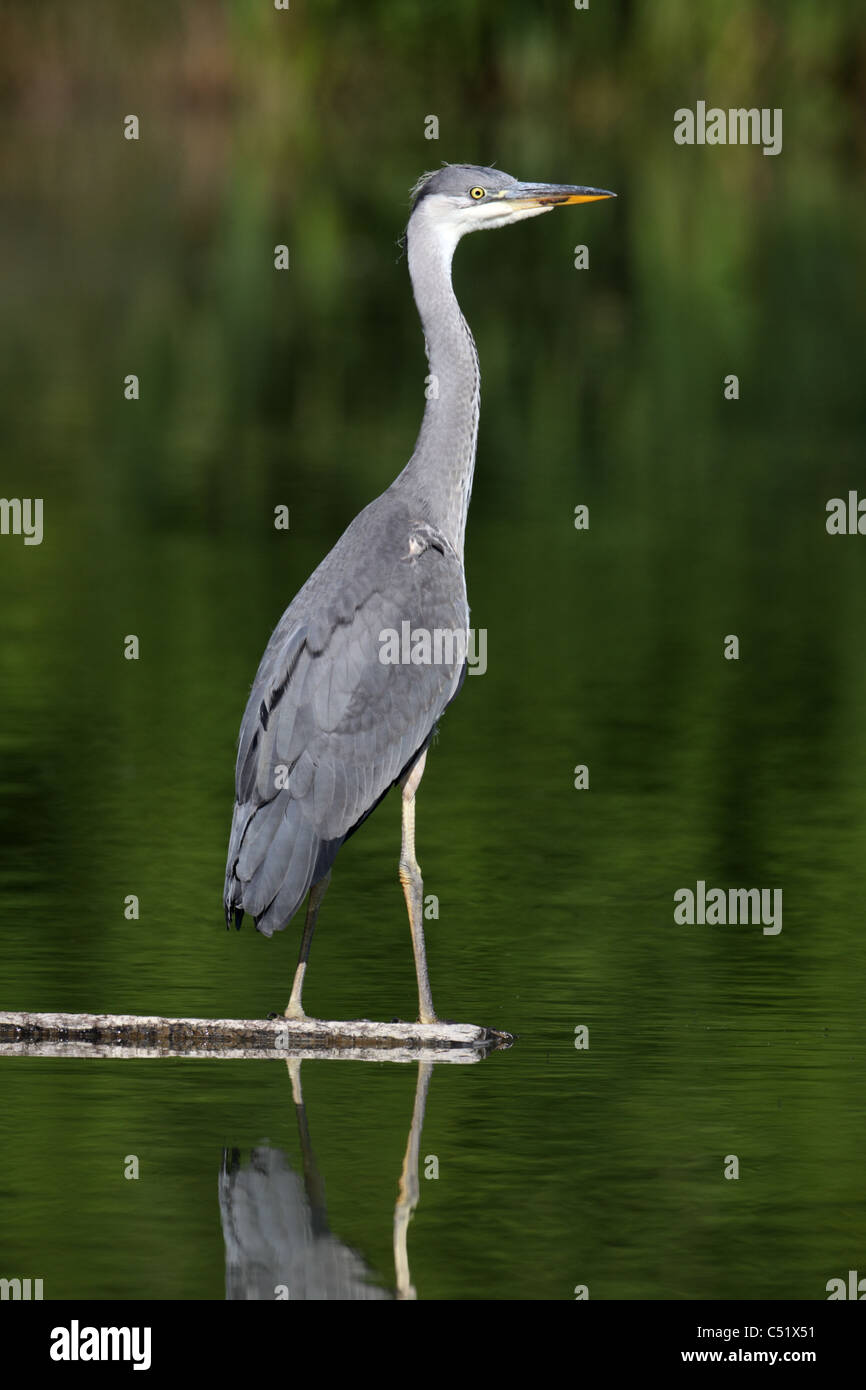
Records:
x=558, y=1166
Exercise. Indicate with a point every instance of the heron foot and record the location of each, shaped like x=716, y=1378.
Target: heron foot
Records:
x=295, y=1012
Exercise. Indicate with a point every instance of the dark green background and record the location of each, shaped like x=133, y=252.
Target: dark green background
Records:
x=557, y=1167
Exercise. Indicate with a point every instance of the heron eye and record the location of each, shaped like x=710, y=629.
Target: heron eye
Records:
x=476, y=193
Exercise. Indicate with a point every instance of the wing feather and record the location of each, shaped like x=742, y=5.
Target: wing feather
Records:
x=325, y=707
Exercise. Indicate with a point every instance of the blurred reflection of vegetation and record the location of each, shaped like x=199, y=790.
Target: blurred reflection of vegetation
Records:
x=306, y=389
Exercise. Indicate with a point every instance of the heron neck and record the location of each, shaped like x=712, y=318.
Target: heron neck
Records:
x=438, y=477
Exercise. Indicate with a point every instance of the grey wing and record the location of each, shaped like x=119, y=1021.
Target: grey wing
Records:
x=330, y=725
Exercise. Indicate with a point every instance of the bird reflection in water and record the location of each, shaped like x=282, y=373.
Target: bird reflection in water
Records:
x=275, y=1224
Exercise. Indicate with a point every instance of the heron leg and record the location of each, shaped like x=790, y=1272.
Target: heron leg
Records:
x=413, y=890
x=294, y=1008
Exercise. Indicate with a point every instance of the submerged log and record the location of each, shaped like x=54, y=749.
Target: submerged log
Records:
x=128, y=1035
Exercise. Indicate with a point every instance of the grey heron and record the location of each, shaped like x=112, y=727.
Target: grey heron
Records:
x=330, y=726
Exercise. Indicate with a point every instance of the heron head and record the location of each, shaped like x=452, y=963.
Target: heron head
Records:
x=463, y=198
